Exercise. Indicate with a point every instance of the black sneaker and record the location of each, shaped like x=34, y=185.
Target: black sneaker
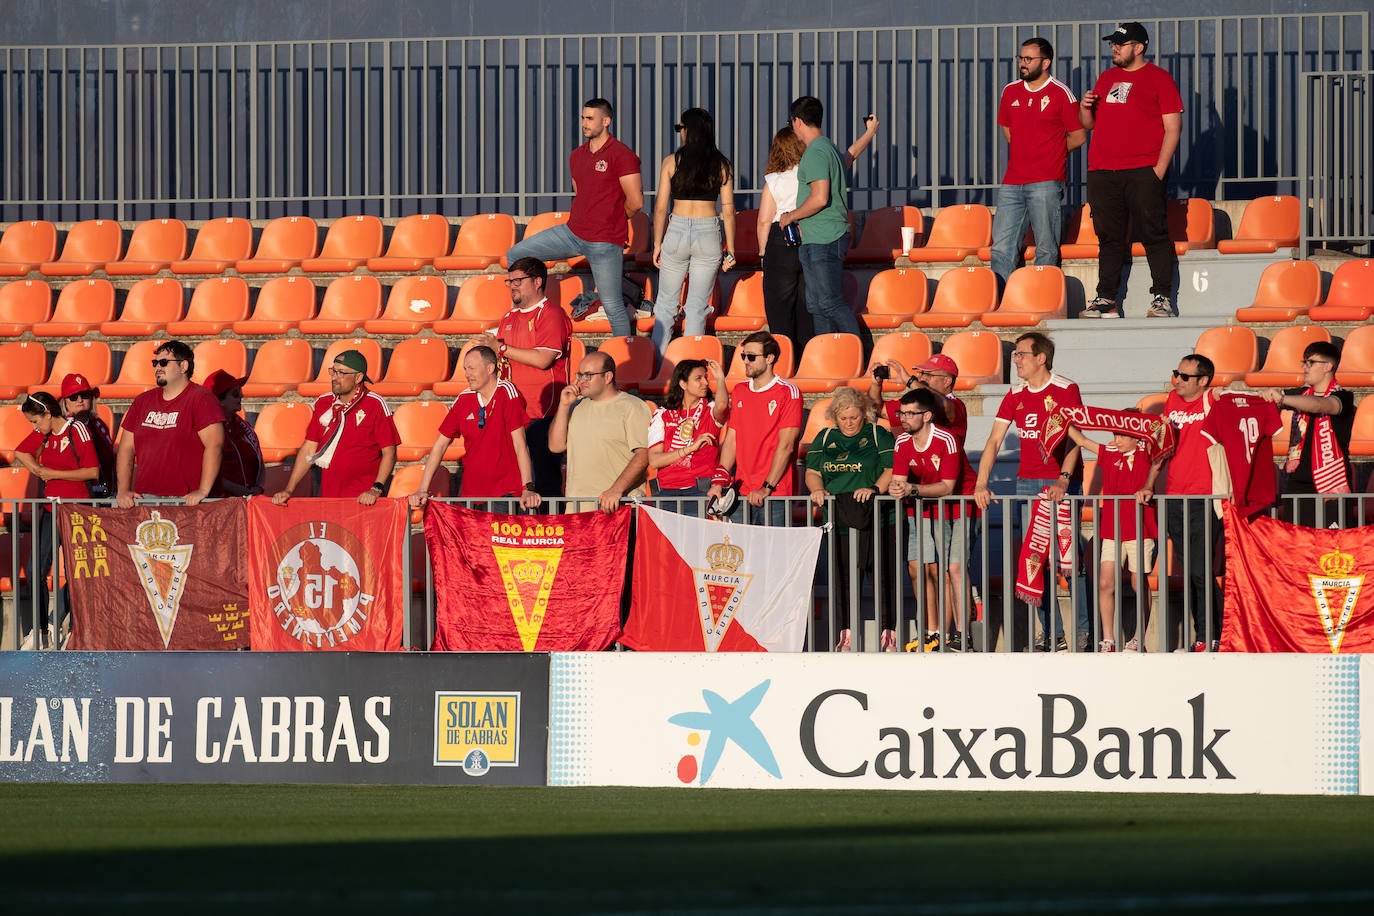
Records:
x=1042, y=644
x=1061, y=645
x=954, y=642
x=1101, y=308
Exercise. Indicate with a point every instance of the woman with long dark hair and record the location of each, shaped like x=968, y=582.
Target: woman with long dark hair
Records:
x=688, y=247
x=684, y=434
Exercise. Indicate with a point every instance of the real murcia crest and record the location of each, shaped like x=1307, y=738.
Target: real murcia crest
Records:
x=161, y=567
x=1336, y=592
x=528, y=574
x=719, y=589
x=358, y=417
x=772, y=406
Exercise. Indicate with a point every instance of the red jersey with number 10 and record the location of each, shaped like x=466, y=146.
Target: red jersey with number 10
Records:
x=1242, y=424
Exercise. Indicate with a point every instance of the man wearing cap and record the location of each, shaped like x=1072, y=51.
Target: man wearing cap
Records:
x=531, y=344
x=1136, y=115
x=172, y=437
x=78, y=403
x=241, y=467
x=351, y=437
x=939, y=373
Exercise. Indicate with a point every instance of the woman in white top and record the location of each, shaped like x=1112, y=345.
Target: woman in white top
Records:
x=784, y=296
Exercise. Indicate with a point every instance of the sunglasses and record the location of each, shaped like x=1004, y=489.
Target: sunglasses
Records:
x=161, y=363
x=678, y=127
x=1187, y=377
x=750, y=357
x=481, y=416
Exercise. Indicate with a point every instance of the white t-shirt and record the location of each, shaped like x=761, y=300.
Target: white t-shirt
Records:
x=783, y=187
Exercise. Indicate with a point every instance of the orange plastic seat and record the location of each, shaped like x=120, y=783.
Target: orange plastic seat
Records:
x=894, y=296
x=679, y=349
x=406, y=480
x=828, y=361
x=416, y=240
x=1080, y=235
x=16, y=482
x=135, y=371
x=962, y=296
x=286, y=242
x=90, y=245
x=226, y=353
x=348, y=244
x=482, y=302
x=1362, y=434
x=1152, y=404
x=283, y=303
x=415, y=303
x=957, y=232
x=634, y=360
x=349, y=303
x=1268, y=224
x=562, y=289
x=90, y=358
x=645, y=325
x=369, y=348
x=881, y=240
x=1233, y=350
x=24, y=303
x=482, y=241
x=151, y=305
x=640, y=232
x=415, y=366
x=1283, y=363
x=26, y=245
x=1286, y=290
x=782, y=366
x=26, y=363
x=745, y=311
x=816, y=421
x=281, y=428
x=747, y=252
x=1034, y=293
x=417, y=424
x=978, y=354
x=83, y=305
x=1191, y=226
x=220, y=244
x=1357, y=359
x=279, y=366
x=215, y=305
x=155, y=244
x=910, y=348
x=541, y=221
x=1351, y=296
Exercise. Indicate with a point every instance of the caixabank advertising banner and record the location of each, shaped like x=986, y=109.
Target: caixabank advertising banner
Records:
x=1276, y=724
x=240, y=717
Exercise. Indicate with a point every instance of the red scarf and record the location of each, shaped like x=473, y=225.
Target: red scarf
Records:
x=1328, y=461
x=1154, y=432
x=1036, y=546
x=333, y=422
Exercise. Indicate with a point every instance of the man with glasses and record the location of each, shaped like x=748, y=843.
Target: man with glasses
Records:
x=1318, y=459
x=351, y=437
x=939, y=373
x=78, y=403
x=1039, y=393
x=760, y=444
x=172, y=437
x=605, y=433
x=1189, y=523
x=1039, y=120
x=1136, y=116
x=607, y=189
x=490, y=418
x=531, y=344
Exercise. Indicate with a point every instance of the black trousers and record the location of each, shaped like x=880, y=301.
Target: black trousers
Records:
x=784, y=291
x=1192, y=516
x=1120, y=199
x=546, y=466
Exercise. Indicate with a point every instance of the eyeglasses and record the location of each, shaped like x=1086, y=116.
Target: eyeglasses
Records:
x=1316, y=362
x=678, y=127
x=585, y=375
x=161, y=363
x=1188, y=377
x=481, y=416
x=926, y=373
x=750, y=357
x=1029, y=60
x=1022, y=354
x=333, y=371
x=911, y=413
x=512, y=281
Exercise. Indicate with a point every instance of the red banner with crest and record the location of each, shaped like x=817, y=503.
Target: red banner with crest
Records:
x=156, y=577
x=326, y=574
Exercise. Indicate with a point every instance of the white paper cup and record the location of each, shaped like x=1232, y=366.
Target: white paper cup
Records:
x=908, y=239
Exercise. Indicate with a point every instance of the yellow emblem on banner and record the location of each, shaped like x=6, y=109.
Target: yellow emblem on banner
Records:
x=528, y=574
x=1336, y=592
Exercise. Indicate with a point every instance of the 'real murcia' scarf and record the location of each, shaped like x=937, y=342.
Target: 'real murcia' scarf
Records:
x=1051, y=526
x=1328, y=461
x=1155, y=433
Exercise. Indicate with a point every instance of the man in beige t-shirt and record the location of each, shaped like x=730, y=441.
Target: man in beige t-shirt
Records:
x=604, y=432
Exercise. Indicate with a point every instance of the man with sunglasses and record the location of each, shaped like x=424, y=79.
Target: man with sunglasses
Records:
x=1190, y=475
x=172, y=438
x=605, y=433
x=531, y=343
x=351, y=436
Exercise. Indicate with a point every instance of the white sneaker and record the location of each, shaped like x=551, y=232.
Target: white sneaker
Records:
x=1132, y=645
x=1106, y=645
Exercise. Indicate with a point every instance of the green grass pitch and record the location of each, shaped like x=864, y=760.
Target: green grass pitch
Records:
x=295, y=849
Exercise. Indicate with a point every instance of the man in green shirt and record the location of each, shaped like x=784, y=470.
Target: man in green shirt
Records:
x=823, y=219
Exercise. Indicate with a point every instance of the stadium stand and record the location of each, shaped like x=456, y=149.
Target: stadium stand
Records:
x=1268, y=224
x=1033, y=294
x=562, y=289
x=1080, y=236
x=782, y=367
x=26, y=363
x=1192, y=226
x=416, y=365
x=25, y=245
x=829, y=361
x=417, y=424
x=90, y=245
x=348, y=244
x=279, y=365
x=1351, y=295
x=1357, y=359
x=215, y=306
x=1287, y=290
x=910, y=348
x=747, y=252
x=679, y=349
x=282, y=304
x=482, y=241
x=957, y=233
x=1283, y=363
x=978, y=354
x=348, y=304
x=1362, y=433
x=415, y=303
x=151, y=305
x=481, y=303
x=745, y=311
x=635, y=359
x=285, y=243
x=281, y=427
x=1233, y=350
x=24, y=303
x=881, y=239
x=220, y=353
x=816, y=420
x=154, y=245
x=894, y=296
x=90, y=358
x=219, y=245
x=415, y=242
x=135, y=371
x=369, y=348
x=15, y=482
x=962, y=296
x=82, y=306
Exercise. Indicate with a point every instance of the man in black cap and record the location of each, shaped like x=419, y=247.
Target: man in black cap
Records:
x=1135, y=114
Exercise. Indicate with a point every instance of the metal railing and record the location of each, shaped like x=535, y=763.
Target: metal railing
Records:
x=1337, y=162
x=467, y=125
x=979, y=602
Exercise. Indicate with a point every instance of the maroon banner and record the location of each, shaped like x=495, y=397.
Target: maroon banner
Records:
x=526, y=583
x=1296, y=589
x=156, y=577
x=326, y=574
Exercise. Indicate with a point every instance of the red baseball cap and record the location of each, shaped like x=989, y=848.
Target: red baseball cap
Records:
x=221, y=382
x=75, y=383
x=941, y=363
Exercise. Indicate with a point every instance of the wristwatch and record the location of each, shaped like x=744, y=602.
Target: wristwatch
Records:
x=529, y=487
x=770, y=487
x=379, y=487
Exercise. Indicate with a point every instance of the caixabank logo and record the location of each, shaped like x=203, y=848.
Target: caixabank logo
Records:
x=476, y=730
x=724, y=722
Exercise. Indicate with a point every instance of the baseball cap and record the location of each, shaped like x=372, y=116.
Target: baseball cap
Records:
x=354, y=360
x=75, y=383
x=1128, y=31
x=221, y=382
x=941, y=363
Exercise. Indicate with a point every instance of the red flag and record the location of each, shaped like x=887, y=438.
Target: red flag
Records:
x=326, y=574
x=703, y=586
x=526, y=583
x=156, y=577
x=1296, y=589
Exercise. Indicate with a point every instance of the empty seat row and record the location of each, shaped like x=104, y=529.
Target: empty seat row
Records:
x=1235, y=352
x=1293, y=289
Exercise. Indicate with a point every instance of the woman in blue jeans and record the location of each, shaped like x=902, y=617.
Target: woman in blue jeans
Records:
x=688, y=247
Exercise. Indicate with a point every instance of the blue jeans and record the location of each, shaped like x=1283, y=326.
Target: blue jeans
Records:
x=691, y=251
x=1036, y=204
x=1026, y=486
x=823, y=268
x=607, y=261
